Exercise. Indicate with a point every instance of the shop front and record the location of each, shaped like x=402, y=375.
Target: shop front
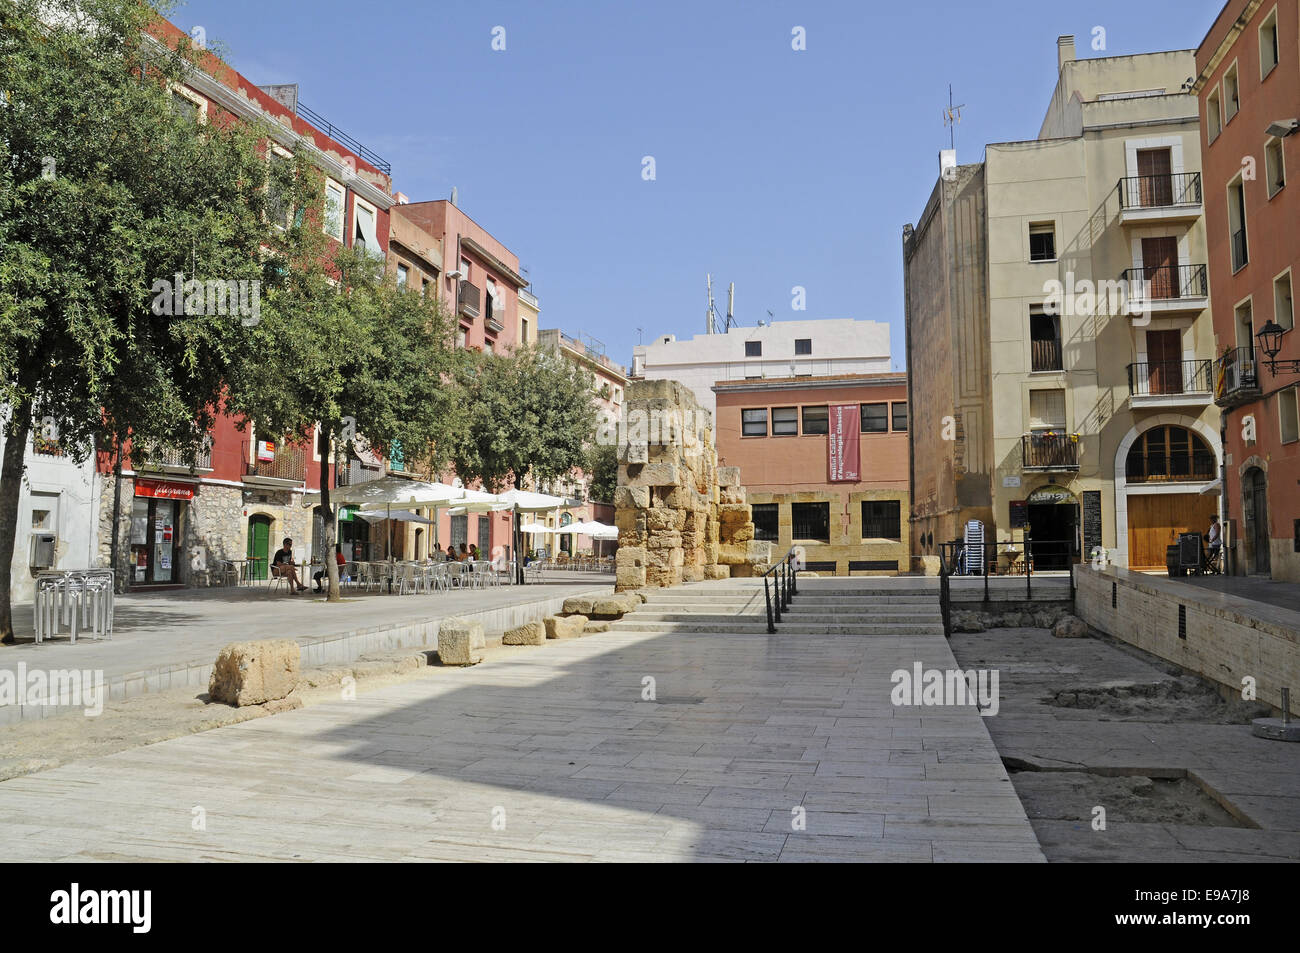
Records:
x=1052, y=524
x=158, y=514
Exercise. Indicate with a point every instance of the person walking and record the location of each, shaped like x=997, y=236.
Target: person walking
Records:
x=1214, y=537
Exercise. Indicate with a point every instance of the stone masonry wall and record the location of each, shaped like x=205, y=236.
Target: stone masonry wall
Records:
x=680, y=517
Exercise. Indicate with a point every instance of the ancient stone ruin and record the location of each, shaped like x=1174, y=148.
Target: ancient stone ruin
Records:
x=680, y=517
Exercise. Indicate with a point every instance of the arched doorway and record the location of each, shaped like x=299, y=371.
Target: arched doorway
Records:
x=1159, y=459
x=1254, y=488
x=259, y=545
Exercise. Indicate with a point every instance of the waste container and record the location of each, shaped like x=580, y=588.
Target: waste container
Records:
x=1172, y=562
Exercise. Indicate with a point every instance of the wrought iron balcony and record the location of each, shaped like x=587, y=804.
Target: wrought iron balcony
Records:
x=354, y=472
x=468, y=299
x=1166, y=287
x=1169, y=379
x=154, y=457
x=1236, y=377
x=287, y=465
x=1049, y=450
x=1160, y=191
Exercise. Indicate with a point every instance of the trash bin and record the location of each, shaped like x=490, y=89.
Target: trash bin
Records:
x=1172, y=562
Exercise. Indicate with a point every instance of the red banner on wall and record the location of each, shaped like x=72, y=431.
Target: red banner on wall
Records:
x=842, y=456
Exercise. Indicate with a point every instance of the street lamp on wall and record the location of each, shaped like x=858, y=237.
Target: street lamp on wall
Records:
x=1270, y=342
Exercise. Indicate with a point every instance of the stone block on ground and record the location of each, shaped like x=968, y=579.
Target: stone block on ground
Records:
x=530, y=633
x=577, y=604
x=253, y=673
x=565, y=626
x=460, y=641
x=601, y=625
x=611, y=605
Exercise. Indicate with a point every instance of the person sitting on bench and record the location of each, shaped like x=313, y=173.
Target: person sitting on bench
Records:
x=283, y=566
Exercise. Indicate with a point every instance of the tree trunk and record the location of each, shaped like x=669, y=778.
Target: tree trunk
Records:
x=327, y=519
x=11, y=482
x=119, y=578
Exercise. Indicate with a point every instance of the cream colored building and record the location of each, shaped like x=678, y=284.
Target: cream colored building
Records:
x=1102, y=429
x=529, y=310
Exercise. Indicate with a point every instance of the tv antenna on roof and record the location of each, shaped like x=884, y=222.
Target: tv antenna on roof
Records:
x=952, y=116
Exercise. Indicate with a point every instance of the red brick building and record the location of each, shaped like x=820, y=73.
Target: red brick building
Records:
x=1248, y=85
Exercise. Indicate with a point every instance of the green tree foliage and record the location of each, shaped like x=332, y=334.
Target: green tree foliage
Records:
x=106, y=188
x=602, y=467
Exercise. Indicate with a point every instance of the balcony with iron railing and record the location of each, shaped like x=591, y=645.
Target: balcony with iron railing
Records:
x=1164, y=289
x=1049, y=450
x=171, y=460
x=288, y=465
x=468, y=300
x=354, y=473
x=1170, y=383
x=1160, y=198
x=1236, y=377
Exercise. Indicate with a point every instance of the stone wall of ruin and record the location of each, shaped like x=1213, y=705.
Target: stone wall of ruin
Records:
x=680, y=517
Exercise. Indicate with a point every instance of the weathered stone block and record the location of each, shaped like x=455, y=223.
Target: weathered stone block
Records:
x=728, y=476
x=456, y=642
x=564, y=626
x=638, y=453
x=253, y=673
x=602, y=626
x=1070, y=627
x=616, y=605
x=717, y=572
x=530, y=633
x=631, y=497
x=577, y=604
x=653, y=474
x=661, y=519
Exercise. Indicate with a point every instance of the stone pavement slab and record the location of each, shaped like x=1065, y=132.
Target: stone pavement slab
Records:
x=551, y=754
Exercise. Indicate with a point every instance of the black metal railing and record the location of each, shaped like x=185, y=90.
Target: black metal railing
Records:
x=339, y=136
x=784, y=586
x=1160, y=191
x=1157, y=378
x=1165, y=282
x=156, y=457
x=1237, y=375
x=1240, y=254
x=1049, y=450
x=1001, y=559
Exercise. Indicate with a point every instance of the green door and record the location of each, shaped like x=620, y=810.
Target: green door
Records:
x=259, y=545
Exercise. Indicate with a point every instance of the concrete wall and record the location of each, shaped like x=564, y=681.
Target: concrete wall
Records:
x=1227, y=639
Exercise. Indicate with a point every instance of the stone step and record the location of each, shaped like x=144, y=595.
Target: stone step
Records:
x=802, y=616
x=734, y=626
x=669, y=595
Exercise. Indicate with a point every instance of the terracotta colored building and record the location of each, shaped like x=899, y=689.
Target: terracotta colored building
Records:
x=777, y=430
x=1248, y=86
x=178, y=519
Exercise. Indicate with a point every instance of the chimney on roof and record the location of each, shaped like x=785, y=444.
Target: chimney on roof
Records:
x=401, y=198
x=286, y=94
x=1064, y=51
x=453, y=195
x=947, y=163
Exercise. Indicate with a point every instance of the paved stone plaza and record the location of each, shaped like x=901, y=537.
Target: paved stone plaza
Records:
x=551, y=753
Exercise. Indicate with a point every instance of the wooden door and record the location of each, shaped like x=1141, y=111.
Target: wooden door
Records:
x=1256, y=518
x=1155, y=520
x=1155, y=182
x=1160, y=266
x=259, y=545
x=1164, y=362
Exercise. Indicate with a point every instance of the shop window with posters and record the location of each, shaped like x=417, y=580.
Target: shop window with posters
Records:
x=157, y=516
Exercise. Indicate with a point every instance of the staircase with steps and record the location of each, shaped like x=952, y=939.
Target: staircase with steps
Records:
x=870, y=606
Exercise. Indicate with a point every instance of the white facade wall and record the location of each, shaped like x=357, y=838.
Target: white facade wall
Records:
x=839, y=346
x=69, y=492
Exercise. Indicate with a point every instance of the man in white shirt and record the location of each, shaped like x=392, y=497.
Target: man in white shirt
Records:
x=1215, y=538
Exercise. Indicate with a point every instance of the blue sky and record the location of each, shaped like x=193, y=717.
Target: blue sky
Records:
x=774, y=168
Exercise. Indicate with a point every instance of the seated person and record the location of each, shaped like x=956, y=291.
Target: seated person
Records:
x=283, y=567
x=463, y=554
x=338, y=557
x=473, y=552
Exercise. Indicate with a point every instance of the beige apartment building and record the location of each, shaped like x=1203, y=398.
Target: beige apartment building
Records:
x=1059, y=337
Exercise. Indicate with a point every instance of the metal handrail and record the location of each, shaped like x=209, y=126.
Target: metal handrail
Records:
x=785, y=582
x=1160, y=191
x=341, y=137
